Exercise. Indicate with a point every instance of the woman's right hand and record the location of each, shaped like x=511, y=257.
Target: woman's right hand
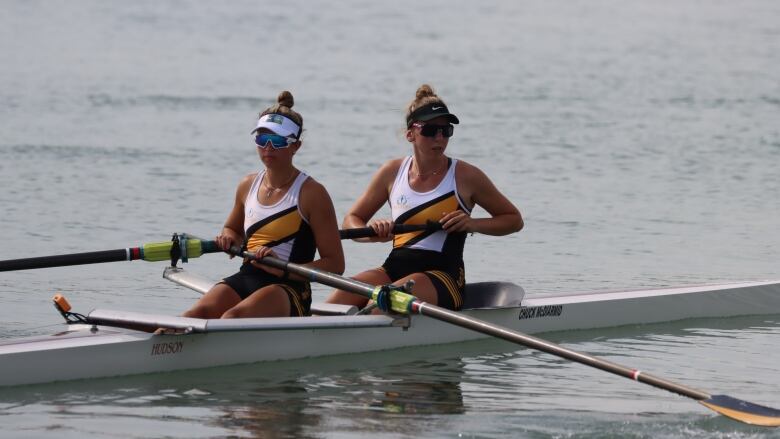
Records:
x=225, y=241
x=383, y=228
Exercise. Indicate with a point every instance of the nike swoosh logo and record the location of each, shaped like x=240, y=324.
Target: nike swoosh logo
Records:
x=436, y=108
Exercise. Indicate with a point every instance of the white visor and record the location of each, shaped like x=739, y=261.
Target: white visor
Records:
x=278, y=124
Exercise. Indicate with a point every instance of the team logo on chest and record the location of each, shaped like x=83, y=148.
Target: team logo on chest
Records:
x=402, y=202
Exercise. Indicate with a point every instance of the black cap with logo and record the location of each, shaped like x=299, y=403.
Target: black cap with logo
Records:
x=430, y=111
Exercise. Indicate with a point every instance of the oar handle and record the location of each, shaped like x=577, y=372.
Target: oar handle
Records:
x=366, y=232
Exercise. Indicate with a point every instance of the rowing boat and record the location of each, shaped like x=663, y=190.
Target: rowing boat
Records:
x=109, y=343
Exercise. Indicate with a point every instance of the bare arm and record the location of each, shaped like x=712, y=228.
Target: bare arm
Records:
x=371, y=201
x=317, y=206
x=477, y=188
x=232, y=232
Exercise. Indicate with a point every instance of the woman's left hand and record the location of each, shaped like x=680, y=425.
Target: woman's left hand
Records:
x=456, y=221
x=262, y=252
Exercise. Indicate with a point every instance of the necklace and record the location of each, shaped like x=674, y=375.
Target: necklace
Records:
x=420, y=174
x=272, y=189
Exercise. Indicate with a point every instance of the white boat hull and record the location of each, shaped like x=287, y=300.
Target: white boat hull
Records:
x=86, y=351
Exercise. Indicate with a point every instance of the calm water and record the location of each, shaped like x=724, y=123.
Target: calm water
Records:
x=639, y=139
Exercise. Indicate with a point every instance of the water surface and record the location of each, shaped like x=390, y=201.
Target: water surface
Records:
x=640, y=141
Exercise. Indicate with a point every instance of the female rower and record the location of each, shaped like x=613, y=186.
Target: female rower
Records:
x=280, y=212
x=428, y=186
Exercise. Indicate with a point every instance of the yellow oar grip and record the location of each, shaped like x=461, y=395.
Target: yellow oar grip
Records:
x=161, y=251
x=400, y=301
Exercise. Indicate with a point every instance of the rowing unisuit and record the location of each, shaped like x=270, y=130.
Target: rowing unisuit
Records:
x=281, y=225
x=438, y=252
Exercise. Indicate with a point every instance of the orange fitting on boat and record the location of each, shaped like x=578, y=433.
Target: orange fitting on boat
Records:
x=61, y=303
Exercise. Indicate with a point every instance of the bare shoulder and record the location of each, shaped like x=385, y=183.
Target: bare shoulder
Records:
x=314, y=193
x=394, y=163
x=244, y=184
x=385, y=175
x=467, y=171
x=391, y=166
x=247, y=179
x=315, y=202
x=312, y=187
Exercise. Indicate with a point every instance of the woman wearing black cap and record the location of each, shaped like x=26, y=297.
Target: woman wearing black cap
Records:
x=280, y=212
x=428, y=186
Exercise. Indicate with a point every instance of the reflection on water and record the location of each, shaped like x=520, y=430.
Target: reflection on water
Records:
x=283, y=399
x=412, y=382
x=377, y=397
x=272, y=411
x=417, y=397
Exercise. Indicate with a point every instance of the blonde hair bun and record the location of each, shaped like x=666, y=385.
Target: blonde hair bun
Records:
x=423, y=92
x=285, y=99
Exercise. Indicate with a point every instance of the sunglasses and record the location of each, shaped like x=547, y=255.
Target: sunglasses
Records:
x=277, y=141
x=430, y=130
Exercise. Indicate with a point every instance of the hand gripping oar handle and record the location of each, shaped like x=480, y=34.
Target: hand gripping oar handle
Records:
x=365, y=232
x=152, y=252
x=405, y=303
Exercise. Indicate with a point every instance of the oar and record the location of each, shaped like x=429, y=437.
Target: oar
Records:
x=181, y=246
x=366, y=232
x=166, y=250
x=404, y=303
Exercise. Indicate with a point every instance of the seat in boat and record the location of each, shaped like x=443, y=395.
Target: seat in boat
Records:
x=492, y=295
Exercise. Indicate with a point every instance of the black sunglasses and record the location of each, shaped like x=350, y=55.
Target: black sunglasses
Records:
x=430, y=130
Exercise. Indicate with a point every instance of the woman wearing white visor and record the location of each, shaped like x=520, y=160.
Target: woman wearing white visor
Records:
x=280, y=212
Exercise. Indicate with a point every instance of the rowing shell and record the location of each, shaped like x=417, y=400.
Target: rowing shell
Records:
x=107, y=347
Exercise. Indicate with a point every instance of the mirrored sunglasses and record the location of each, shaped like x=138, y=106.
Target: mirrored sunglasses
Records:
x=430, y=130
x=277, y=141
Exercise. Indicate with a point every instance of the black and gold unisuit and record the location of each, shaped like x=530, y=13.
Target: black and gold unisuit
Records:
x=438, y=254
x=283, y=227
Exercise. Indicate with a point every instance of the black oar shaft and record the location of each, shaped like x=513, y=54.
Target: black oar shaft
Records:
x=367, y=232
x=184, y=246
x=122, y=254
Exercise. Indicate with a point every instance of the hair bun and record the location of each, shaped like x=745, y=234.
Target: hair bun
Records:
x=424, y=91
x=285, y=99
